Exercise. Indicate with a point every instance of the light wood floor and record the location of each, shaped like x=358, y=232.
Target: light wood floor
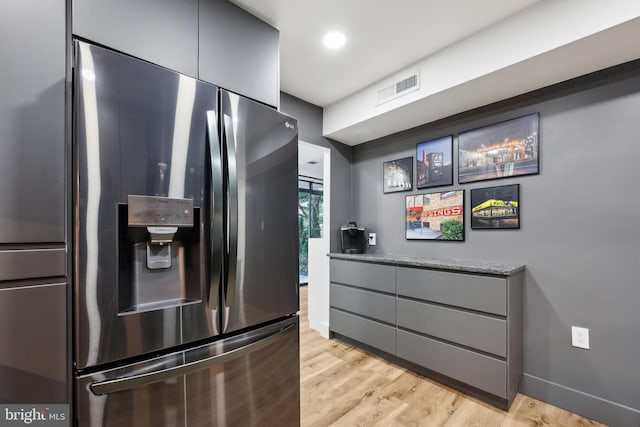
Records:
x=344, y=386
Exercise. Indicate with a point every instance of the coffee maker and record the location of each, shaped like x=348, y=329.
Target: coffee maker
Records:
x=353, y=238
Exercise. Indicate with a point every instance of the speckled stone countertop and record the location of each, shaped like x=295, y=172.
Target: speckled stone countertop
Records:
x=464, y=265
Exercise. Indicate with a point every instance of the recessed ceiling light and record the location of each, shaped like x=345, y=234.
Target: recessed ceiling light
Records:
x=334, y=40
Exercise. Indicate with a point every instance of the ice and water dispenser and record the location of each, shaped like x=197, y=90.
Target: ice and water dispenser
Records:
x=159, y=253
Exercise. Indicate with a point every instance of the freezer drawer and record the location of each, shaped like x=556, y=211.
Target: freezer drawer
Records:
x=259, y=386
x=249, y=379
x=148, y=404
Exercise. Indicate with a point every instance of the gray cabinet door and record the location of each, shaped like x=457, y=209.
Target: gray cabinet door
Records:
x=164, y=32
x=239, y=52
x=32, y=111
x=33, y=353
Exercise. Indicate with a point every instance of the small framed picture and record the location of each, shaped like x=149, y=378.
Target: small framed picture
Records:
x=498, y=151
x=496, y=207
x=435, y=216
x=397, y=175
x=433, y=163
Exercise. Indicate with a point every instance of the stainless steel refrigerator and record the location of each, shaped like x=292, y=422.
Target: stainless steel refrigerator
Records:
x=185, y=281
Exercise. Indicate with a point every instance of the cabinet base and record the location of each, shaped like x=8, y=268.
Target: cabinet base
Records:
x=442, y=379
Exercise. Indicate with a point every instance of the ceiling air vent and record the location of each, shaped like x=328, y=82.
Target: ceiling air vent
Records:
x=399, y=88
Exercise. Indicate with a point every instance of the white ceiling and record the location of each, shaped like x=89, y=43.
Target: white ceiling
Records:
x=310, y=160
x=382, y=38
x=466, y=54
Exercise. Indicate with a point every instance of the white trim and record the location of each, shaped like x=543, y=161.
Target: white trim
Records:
x=318, y=260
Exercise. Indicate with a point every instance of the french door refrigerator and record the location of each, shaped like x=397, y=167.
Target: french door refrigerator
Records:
x=185, y=250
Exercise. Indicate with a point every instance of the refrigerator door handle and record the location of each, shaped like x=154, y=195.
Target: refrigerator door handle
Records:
x=127, y=383
x=232, y=210
x=216, y=225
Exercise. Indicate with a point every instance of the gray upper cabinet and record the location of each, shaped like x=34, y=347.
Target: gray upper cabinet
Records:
x=164, y=32
x=239, y=52
x=32, y=117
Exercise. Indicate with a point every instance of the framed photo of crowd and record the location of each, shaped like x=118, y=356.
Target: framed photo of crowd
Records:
x=501, y=150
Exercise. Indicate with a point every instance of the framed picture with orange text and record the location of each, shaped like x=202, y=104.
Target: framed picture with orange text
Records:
x=435, y=216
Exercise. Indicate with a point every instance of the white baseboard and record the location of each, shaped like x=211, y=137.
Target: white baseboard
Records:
x=324, y=329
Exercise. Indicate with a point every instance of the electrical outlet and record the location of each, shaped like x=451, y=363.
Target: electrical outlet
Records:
x=580, y=337
x=372, y=239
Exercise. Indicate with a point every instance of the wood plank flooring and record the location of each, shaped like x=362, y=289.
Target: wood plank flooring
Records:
x=344, y=386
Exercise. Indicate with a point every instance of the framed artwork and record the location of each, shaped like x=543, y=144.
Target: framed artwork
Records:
x=496, y=207
x=435, y=216
x=397, y=175
x=498, y=151
x=434, y=167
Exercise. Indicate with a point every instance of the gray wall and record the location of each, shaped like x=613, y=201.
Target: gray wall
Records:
x=309, y=118
x=579, y=236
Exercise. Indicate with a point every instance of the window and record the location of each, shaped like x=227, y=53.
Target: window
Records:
x=309, y=220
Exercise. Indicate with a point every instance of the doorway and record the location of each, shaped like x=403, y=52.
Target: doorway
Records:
x=310, y=202
x=314, y=201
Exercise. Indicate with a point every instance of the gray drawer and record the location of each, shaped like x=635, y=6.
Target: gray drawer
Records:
x=477, y=370
x=364, y=275
x=482, y=293
x=377, y=306
x=32, y=263
x=366, y=331
x=484, y=333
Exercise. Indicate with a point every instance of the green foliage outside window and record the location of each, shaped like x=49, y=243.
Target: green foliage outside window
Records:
x=309, y=224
